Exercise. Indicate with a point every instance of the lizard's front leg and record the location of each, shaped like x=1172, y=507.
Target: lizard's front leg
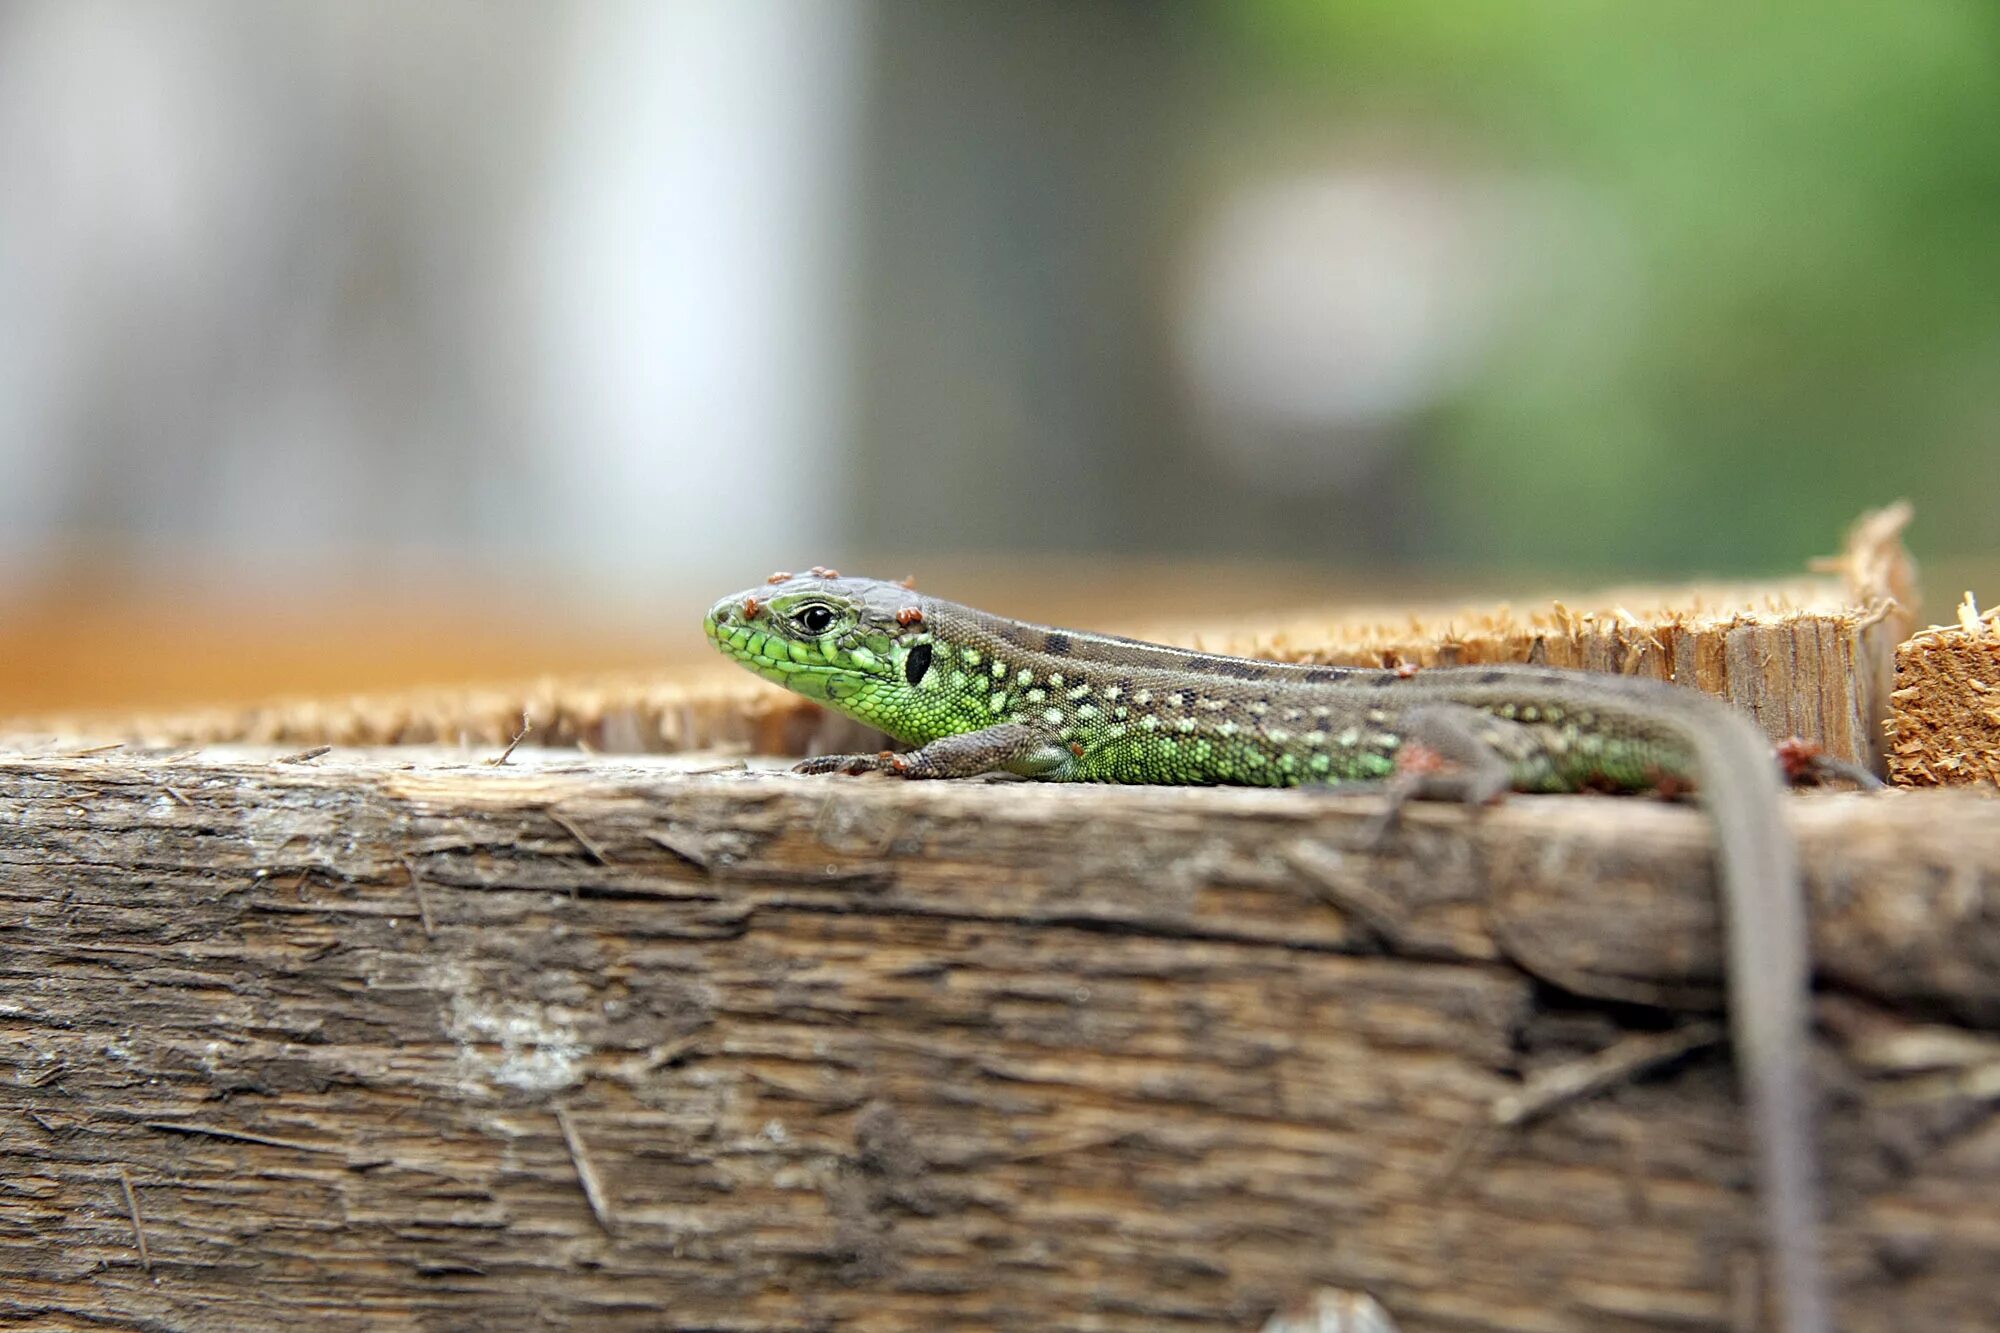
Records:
x=1013, y=747
x=1483, y=757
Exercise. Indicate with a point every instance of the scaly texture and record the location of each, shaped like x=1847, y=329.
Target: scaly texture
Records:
x=978, y=693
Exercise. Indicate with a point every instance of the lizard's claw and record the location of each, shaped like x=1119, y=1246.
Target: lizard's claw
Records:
x=888, y=761
x=1383, y=825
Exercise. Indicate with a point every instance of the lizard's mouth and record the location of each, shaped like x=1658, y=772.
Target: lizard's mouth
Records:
x=764, y=652
x=798, y=667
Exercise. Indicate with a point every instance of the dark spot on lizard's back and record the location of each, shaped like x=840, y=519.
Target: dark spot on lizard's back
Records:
x=1056, y=644
x=1492, y=677
x=1323, y=675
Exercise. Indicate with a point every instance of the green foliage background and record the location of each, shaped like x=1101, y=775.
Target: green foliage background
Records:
x=1809, y=195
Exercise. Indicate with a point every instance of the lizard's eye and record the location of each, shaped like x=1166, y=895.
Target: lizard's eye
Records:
x=814, y=618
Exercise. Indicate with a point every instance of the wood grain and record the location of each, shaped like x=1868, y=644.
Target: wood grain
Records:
x=400, y=1040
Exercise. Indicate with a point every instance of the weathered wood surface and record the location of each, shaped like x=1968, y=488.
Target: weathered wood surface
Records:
x=403, y=1040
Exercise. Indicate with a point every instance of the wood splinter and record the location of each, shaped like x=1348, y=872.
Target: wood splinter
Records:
x=138, y=1222
x=586, y=1174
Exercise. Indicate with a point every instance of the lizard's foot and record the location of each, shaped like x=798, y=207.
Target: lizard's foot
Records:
x=888, y=761
x=1806, y=764
x=1451, y=762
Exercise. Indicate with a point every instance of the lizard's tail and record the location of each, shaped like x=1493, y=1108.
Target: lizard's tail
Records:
x=1768, y=938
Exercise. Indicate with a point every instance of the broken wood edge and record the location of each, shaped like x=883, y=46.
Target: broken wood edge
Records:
x=1810, y=657
x=1945, y=721
x=1805, y=674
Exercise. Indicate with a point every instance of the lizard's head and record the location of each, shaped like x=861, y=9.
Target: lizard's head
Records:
x=861, y=643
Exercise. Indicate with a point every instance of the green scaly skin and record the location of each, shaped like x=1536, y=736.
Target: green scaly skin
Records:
x=977, y=693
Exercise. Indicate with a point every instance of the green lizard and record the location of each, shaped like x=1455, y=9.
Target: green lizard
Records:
x=977, y=693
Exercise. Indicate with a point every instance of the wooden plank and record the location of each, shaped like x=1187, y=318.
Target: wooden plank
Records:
x=362, y=1031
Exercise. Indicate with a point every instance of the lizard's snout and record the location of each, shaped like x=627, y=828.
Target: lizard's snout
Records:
x=734, y=610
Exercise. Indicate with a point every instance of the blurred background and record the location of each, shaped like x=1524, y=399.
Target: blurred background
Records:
x=347, y=344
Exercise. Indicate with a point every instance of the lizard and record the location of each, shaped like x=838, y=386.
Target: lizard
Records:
x=977, y=693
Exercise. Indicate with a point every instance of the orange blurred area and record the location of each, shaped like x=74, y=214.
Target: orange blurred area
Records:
x=92, y=636
x=107, y=635
x=87, y=639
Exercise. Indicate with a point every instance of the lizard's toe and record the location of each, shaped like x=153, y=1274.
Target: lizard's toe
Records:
x=838, y=763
